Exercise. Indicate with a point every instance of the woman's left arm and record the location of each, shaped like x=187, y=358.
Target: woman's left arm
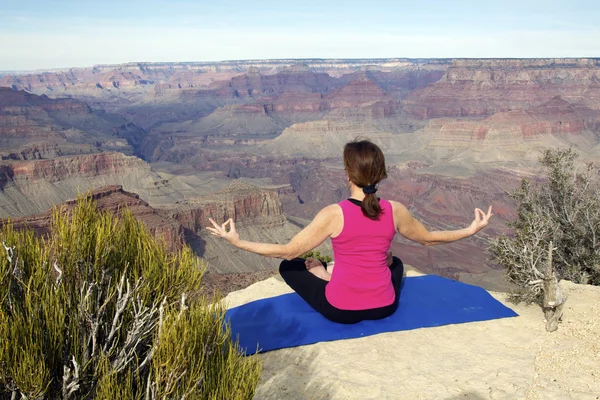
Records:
x=307, y=239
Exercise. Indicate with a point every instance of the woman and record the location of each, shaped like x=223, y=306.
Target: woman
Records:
x=366, y=281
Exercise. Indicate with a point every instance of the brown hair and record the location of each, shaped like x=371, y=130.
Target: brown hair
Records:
x=365, y=165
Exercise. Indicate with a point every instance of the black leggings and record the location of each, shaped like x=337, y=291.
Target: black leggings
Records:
x=312, y=290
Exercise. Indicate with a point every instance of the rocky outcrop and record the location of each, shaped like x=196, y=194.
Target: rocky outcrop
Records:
x=17, y=101
x=362, y=93
x=245, y=203
x=517, y=136
x=27, y=116
x=63, y=168
x=32, y=187
x=357, y=93
x=509, y=358
x=115, y=200
x=258, y=214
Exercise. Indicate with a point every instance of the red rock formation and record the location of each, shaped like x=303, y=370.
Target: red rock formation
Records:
x=33, y=127
x=79, y=166
x=472, y=88
x=245, y=203
x=115, y=200
x=27, y=116
x=556, y=117
x=15, y=101
x=361, y=93
x=296, y=79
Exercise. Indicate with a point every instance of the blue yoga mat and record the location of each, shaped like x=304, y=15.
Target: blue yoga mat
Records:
x=425, y=301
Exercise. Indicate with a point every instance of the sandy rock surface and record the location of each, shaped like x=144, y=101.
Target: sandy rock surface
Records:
x=510, y=358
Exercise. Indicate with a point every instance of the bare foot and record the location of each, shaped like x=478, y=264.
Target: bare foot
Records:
x=316, y=268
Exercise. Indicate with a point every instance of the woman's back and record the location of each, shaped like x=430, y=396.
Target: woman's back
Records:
x=361, y=278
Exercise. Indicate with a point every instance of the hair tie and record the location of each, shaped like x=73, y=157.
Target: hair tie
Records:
x=370, y=189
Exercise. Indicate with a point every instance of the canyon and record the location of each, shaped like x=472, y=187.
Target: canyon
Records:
x=261, y=140
x=258, y=213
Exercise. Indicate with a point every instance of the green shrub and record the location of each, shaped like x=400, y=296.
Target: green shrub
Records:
x=317, y=254
x=563, y=210
x=99, y=310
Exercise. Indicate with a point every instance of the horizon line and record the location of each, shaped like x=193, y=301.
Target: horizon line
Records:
x=284, y=60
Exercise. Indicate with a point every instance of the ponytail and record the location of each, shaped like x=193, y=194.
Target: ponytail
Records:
x=365, y=165
x=370, y=205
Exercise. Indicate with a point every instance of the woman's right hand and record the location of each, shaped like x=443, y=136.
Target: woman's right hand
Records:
x=221, y=231
x=481, y=220
x=311, y=263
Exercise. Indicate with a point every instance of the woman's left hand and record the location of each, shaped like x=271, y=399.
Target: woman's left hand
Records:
x=221, y=231
x=481, y=220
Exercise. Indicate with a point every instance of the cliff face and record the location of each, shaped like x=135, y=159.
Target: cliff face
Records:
x=450, y=129
x=257, y=212
x=475, y=88
x=32, y=187
x=114, y=200
x=556, y=117
x=63, y=168
x=193, y=106
x=186, y=75
x=35, y=127
x=245, y=203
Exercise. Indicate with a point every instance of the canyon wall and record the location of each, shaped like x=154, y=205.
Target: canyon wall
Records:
x=258, y=214
x=115, y=200
x=36, y=127
x=475, y=88
x=457, y=134
x=32, y=187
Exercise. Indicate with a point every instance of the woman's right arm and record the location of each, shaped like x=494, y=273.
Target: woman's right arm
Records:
x=414, y=230
x=311, y=236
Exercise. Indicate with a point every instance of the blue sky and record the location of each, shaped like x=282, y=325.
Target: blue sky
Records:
x=48, y=34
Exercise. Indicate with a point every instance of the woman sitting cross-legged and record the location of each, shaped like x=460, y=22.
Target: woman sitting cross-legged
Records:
x=366, y=281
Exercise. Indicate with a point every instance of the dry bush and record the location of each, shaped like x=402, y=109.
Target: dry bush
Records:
x=563, y=211
x=318, y=256
x=98, y=310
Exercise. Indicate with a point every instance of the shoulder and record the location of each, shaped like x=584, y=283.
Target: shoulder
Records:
x=328, y=219
x=396, y=205
x=331, y=211
x=399, y=209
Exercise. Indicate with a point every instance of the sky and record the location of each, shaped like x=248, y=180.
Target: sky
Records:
x=46, y=34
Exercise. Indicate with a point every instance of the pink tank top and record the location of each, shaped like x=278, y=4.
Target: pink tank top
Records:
x=361, y=278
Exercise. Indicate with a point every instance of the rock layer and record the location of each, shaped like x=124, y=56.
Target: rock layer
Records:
x=35, y=127
x=258, y=214
x=115, y=200
x=456, y=134
x=32, y=187
x=474, y=88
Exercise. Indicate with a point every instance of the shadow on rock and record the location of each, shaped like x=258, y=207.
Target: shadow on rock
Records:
x=197, y=244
